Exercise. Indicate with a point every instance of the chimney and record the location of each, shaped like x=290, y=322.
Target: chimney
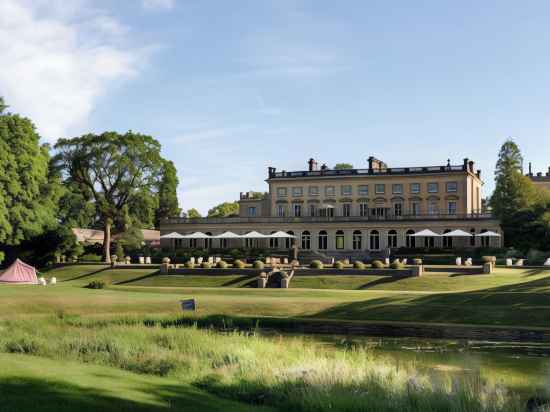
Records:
x=471, y=164
x=530, y=169
x=478, y=173
x=548, y=174
x=270, y=171
x=539, y=174
x=324, y=167
x=466, y=163
x=312, y=164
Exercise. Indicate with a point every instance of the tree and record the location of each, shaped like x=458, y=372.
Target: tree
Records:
x=341, y=166
x=28, y=192
x=114, y=169
x=513, y=190
x=225, y=209
x=256, y=195
x=167, y=193
x=193, y=214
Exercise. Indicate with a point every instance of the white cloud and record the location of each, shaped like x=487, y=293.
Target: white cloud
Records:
x=158, y=4
x=57, y=63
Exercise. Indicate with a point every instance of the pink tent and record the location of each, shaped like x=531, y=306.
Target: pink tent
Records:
x=19, y=272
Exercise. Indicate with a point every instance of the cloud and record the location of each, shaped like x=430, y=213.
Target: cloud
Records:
x=209, y=133
x=56, y=63
x=158, y=4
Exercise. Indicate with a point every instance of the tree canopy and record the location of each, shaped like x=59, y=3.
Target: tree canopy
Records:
x=113, y=170
x=193, y=213
x=168, y=205
x=225, y=209
x=340, y=166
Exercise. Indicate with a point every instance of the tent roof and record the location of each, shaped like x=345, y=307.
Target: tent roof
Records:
x=426, y=233
x=173, y=235
x=489, y=233
x=228, y=235
x=281, y=234
x=19, y=272
x=253, y=235
x=457, y=233
x=197, y=235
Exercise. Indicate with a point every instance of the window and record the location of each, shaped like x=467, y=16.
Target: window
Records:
x=415, y=188
x=314, y=190
x=432, y=207
x=451, y=208
x=363, y=190
x=330, y=191
x=289, y=240
x=297, y=210
x=433, y=187
x=340, y=241
x=447, y=240
x=223, y=243
x=473, y=238
x=429, y=242
x=252, y=211
x=363, y=209
x=273, y=242
x=378, y=212
x=397, y=189
x=379, y=189
x=451, y=187
x=193, y=243
x=398, y=209
x=346, y=190
x=484, y=239
x=323, y=240
x=415, y=208
x=374, y=240
x=327, y=211
x=346, y=209
x=297, y=191
x=280, y=210
x=306, y=240
x=312, y=210
x=357, y=240
x=281, y=192
x=392, y=238
x=410, y=239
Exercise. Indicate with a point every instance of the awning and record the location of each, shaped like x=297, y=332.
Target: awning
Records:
x=488, y=234
x=173, y=235
x=197, y=235
x=426, y=233
x=280, y=235
x=457, y=233
x=254, y=235
x=227, y=235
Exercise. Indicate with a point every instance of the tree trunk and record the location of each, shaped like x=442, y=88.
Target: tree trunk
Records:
x=107, y=242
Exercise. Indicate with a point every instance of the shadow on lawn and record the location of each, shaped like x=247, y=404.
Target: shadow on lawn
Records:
x=240, y=279
x=380, y=281
x=147, y=276
x=95, y=272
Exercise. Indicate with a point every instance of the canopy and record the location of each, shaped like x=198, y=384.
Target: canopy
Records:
x=488, y=234
x=426, y=233
x=19, y=272
x=228, y=235
x=173, y=235
x=197, y=235
x=254, y=235
x=281, y=234
x=457, y=233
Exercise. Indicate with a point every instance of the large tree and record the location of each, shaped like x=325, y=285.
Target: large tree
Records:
x=167, y=193
x=225, y=209
x=28, y=192
x=513, y=190
x=193, y=214
x=113, y=169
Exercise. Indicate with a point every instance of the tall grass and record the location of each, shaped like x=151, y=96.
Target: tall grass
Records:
x=291, y=373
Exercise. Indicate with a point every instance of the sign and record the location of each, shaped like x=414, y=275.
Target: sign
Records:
x=188, y=304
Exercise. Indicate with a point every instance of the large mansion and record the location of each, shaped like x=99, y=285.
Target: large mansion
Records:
x=359, y=210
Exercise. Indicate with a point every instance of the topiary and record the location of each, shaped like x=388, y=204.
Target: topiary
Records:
x=189, y=264
x=222, y=264
x=239, y=264
x=258, y=264
x=396, y=264
x=338, y=265
x=206, y=265
x=358, y=264
x=377, y=264
x=316, y=264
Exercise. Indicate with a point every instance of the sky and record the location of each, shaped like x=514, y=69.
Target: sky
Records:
x=232, y=87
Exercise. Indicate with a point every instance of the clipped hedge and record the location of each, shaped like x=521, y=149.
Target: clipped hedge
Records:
x=316, y=264
x=396, y=264
x=358, y=265
x=338, y=265
x=96, y=284
x=258, y=264
x=377, y=264
x=189, y=264
x=206, y=265
x=222, y=264
x=239, y=264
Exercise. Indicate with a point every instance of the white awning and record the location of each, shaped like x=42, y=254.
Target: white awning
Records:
x=173, y=235
x=426, y=233
x=281, y=234
x=488, y=234
x=228, y=235
x=457, y=233
x=254, y=235
x=197, y=235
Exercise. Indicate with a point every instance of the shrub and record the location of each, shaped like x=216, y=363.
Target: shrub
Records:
x=222, y=264
x=258, y=264
x=206, y=265
x=92, y=258
x=189, y=264
x=396, y=264
x=338, y=265
x=96, y=284
x=316, y=264
x=489, y=259
x=239, y=264
x=358, y=264
x=417, y=261
x=536, y=257
x=377, y=264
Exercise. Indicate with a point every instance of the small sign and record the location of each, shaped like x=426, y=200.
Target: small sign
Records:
x=188, y=304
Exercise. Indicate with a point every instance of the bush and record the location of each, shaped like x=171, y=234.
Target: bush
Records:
x=258, y=264
x=222, y=264
x=489, y=259
x=96, y=284
x=536, y=257
x=396, y=264
x=417, y=261
x=92, y=258
x=206, y=265
x=358, y=264
x=338, y=265
x=316, y=264
x=189, y=264
x=377, y=264
x=239, y=264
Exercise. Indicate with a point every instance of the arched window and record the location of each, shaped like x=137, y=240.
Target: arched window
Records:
x=323, y=240
x=306, y=240
x=410, y=240
x=273, y=242
x=473, y=238
x=208, y=241
x=289, y=241
x=447, y=240
x=392, y=238
x=357, y=240
x=484, y=239
x=340, y=241
x=374, y=240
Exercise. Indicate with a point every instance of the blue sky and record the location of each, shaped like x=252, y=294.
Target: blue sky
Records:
x=230, y=88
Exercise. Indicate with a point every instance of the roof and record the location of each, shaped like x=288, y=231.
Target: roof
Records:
x=96, y=236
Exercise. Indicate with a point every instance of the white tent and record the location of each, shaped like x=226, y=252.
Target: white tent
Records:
x=228, y=235
x=254, y=235
x=173, y=235
x=197, y=235
x=281, y=235
x=426, y=233
x=489, y=233
x=457, y=233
